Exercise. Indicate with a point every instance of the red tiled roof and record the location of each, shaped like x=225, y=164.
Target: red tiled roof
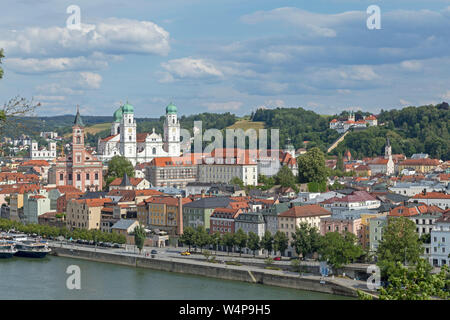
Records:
x=133, y=181
x=37, y=163
x=140, y=137
x=311, y=210
x=109, y=138
x=432, y=195
x=97, y=202
x=419, y=162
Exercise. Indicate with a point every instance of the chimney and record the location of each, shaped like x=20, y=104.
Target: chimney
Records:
x=180, y=217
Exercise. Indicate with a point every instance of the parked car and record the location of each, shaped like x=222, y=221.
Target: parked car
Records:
x=185, y=253
x=154, y=252
x=116, y=245
x=277, y=259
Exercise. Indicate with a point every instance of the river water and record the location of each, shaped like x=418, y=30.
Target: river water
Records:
x=25, y=278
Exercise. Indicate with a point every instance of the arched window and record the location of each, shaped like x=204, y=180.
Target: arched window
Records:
x=154, y=150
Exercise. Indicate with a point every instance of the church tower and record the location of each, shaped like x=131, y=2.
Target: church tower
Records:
x=78, y=152
x=172, y=131
x=117, y=117
x=390, y=165
x=128, y=133
x=388, y=149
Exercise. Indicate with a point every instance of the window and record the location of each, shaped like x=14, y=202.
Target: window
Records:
x=70, y=176
x=78, y=177
x=87, y=176
x=96, y=176
x=61, y=176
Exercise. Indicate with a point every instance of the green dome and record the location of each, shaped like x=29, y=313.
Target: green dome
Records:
x=118, y=115
x=128, y=108
x=171, y=108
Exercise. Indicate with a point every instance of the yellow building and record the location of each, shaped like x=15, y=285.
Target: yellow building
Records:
x=419, y=165
x=163, y=213
x=85, y=213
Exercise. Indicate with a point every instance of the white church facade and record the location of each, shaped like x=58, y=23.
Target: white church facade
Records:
x=140, y=147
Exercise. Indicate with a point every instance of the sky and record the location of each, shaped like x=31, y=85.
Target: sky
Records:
x=225, y=55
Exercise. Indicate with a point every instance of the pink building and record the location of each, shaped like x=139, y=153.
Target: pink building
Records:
x=341, y=224
x=80, y=168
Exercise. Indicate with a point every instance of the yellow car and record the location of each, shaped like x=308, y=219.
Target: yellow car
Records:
x=186, y=253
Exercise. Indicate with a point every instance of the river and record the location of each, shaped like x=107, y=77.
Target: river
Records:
x=25, y=278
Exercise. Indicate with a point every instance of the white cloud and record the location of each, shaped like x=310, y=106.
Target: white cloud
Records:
x=50, y=98
x=277, y=103
x=411, y=65
x=33, y=65
x=404, y=102
x=113, y=36
x=446, y=95
x=308, y=24
x=189, y=68
x=223, y=106
x=90, y=80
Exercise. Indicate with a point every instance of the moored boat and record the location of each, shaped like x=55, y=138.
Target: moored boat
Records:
x=32, y=249
x=7, y=250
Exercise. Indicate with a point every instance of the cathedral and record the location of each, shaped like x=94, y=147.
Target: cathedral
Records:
x=140, y=147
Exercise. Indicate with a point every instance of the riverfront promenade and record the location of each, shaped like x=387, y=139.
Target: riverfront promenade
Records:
x=169, y=259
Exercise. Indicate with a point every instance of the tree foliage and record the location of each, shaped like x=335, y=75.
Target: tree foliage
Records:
x=400, y=243
x=253, y=242
x=117, y=167
x=280, y=242
x=267, y=242
x=416, y=283
x=286, y=178
x=305, y=240
x=139, y=237
x=339, y=249
x=311, y=167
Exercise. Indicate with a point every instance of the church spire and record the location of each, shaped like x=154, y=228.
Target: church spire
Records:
x=78, y=121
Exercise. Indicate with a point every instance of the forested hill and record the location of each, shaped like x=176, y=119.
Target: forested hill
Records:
x=299, y=125
x=411, y=130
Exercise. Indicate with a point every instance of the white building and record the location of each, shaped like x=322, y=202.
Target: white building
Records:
x=140, y=147
x=44, y=153
x=222, y=170
x=410, y=189
x=440, y=241
x=438, y=199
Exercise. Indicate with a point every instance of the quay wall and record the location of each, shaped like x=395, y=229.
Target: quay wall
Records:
x=226, y=272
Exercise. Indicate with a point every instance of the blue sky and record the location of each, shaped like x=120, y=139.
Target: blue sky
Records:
x=225, y=55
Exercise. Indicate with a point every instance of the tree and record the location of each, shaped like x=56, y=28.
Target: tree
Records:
x=339, y=250
x=416, y=283
x=241, y=240
x=305, y=240
x=237, y=181
x=117, y=167
x=280, y=242
x=286, y=178
x=201, y=237
x=253, y=242
x=188, y=236
x=229, y=240
x=267, y=242
x=216, y=239
x=139, y=237
x=311, y=166
x=340, y=162
x=400, y=243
